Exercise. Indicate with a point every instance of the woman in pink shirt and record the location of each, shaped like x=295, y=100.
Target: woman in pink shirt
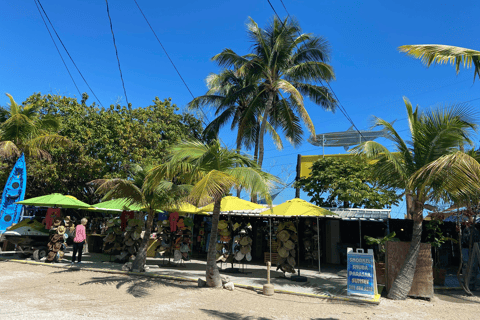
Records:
x=79, y=240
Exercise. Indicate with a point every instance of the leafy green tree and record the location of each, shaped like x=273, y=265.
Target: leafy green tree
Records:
x=104, y=143
x=213, y=171
x=442, y=54
x=24, y=129
x=418, y=166
x=164, y=195
x=347, y=181
x=288, y=64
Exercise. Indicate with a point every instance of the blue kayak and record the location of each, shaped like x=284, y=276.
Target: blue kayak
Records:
x=14, y=191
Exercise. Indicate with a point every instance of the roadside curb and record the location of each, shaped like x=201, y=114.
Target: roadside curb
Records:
x=375, y=301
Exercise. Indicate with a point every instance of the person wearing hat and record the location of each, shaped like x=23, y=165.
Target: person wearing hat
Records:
x=79, y=240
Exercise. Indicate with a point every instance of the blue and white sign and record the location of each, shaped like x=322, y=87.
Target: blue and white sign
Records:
x=361, y=278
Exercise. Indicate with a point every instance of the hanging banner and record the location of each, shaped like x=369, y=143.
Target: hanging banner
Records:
x=361, y=278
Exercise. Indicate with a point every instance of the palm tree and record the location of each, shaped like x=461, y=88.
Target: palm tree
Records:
x=23, y=129
x=442, y=54
x=288, y=64
x=434, y=134
x=213, y=171
x=165, y=194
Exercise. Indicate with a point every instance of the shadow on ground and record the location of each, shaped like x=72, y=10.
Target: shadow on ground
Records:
x=231, y=315
x=138, y=286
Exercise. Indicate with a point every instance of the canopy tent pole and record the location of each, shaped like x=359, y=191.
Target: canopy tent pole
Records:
x=270, y=223
x=318, y=243
x=298, y=246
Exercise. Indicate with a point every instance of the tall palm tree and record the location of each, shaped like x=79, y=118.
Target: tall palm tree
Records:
x=288, y=64
x=164, y=194
x=433, y=134
x=442, y=54
x=23, y=129
x=213, y=171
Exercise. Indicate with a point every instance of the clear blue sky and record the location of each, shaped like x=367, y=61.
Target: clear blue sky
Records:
x=372, y=76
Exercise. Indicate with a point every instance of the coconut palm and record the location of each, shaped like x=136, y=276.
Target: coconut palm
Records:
x=288, y=64
x=442, y=54
x=23, y=129
x=213, y=171
x=434, y=134
x=134, y=190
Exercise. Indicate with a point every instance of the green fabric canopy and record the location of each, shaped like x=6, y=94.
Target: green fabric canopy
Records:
x=116, y=205
x=56, y=200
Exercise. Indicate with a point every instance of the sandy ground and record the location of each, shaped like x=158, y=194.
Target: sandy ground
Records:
x=42, y=292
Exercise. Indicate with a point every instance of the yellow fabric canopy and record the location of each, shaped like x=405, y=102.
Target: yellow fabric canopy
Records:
x=185, y=208
x=297, y=207
x=233, y=203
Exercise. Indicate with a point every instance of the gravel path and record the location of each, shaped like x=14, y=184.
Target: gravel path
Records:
x=41, y=292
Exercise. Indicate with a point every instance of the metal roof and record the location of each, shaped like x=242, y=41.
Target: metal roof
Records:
x=342, y=213
x=345, y=138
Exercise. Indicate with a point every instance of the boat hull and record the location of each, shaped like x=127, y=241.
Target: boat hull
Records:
x=14, y=191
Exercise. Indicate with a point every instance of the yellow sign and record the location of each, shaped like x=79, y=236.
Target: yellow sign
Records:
x=306, y=162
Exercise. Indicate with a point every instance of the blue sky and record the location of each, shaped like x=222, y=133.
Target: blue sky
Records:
x=372, y=76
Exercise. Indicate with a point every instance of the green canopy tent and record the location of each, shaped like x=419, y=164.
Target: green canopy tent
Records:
x=116, y=205
x=56, y=200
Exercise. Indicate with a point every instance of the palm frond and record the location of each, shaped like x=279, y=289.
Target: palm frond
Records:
x=443, y=54
x=8, y=149
x=214, y=185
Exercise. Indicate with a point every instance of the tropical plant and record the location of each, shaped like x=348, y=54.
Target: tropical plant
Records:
x=442, y=54
x=436, y=237
x=288, y=64
x=23, y=129
x=135, y=191
x=380, y=242
x=418, y=167
x=348, y=182
x=213, y=171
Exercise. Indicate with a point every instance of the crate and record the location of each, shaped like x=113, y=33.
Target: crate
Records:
x=267, y=257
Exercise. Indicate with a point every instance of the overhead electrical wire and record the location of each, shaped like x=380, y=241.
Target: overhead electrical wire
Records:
x=61, y=42
x=340, y=106
x=58, y=50
x=116, y=53
x=168, y=56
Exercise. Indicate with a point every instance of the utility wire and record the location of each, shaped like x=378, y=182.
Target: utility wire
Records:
x=340, y=106
x=116, y=53
x=68, y=52
x=168, y=56
x=55, y=44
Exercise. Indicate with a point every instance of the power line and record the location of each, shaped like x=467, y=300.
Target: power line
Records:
x=168, y=56
x=68, y=52
x=58, y=50
x=340, y=106
x=116, y=53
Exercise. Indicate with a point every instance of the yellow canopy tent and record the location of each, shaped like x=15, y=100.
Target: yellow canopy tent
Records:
x=298, y=208
x=186, y=208
x=233, y=204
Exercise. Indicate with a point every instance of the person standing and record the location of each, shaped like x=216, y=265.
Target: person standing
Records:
x=79, y=240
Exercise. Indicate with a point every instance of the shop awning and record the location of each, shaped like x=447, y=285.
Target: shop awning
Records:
x=56, y=200
x=186, y=208
x=297, y=207
x=233, y=204
x=361, y=214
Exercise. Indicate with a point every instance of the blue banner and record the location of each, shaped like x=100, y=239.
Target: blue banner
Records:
x=360, y=274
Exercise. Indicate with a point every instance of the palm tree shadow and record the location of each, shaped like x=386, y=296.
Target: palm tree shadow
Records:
x=67, y=270
x=231, y=315
x=139, y=287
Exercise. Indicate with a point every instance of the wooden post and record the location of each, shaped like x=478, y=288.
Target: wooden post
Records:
x=299, y=163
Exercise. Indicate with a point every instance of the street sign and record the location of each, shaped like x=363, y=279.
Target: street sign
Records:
x=361, y=277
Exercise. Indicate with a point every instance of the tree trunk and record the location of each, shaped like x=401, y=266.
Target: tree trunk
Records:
x=253, y=196
x=261, y=133
x=141, y=256
x=239, y=145
x=213, y=275
x=410, y=206
x=403, y=283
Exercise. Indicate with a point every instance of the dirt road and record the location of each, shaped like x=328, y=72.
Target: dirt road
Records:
x=41, y=292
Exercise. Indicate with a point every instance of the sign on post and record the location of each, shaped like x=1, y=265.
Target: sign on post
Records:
x=361, y=278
